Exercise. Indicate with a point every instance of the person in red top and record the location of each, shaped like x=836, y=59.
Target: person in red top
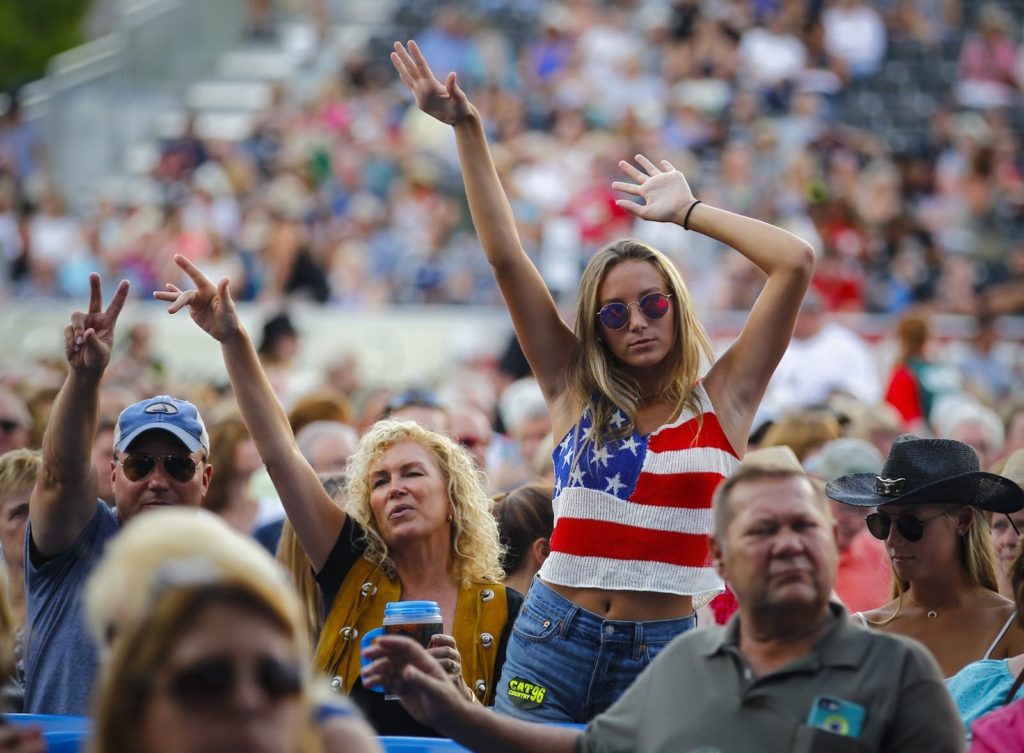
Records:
x=916, y=382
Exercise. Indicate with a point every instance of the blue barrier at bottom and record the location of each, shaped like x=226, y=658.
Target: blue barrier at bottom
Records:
x=63, y=734
x=52, y=722
x=420, y=745
x=70, y=734
x=67, y=742
x=439, y=745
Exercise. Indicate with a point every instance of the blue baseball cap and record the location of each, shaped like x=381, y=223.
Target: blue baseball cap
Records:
x=162, y=413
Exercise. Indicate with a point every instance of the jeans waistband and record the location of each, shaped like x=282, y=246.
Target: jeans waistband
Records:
x=573, y=617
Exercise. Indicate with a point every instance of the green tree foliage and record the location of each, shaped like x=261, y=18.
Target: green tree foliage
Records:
x=33, y=31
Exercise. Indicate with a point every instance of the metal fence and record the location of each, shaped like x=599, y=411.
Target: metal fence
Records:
x=120, y=90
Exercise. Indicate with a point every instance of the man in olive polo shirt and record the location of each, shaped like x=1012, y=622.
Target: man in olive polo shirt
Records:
x=789, y=673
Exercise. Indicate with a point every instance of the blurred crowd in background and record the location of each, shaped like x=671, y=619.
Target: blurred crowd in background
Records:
x=886, y=133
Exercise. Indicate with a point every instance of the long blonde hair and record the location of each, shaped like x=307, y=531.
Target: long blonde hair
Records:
x=293, y=558
x=475, y=550
x=976, y=555
x=595, y=377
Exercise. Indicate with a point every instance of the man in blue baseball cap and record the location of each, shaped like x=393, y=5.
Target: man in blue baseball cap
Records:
x=160, y=458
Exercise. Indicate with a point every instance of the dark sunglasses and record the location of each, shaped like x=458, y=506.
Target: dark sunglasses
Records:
x=9, y=425
x=910, y=526
x=179, y=467
x=616, y=315
x=209, y=683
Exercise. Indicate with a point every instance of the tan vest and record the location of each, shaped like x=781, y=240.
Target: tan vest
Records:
x=481, y=614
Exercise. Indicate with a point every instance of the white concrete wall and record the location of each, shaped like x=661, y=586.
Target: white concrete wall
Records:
x=394, y=346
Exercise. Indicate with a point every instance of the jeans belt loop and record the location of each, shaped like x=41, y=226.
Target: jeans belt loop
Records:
x=638, y=639
x=563, y=630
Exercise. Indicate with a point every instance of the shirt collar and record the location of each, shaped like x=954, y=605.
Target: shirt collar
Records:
x=843, y=644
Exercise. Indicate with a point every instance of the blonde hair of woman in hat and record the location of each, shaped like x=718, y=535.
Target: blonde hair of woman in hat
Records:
x=930, y=500
x=621, y=387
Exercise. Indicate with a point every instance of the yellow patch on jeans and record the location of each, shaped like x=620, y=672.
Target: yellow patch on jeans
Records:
x=525, y=694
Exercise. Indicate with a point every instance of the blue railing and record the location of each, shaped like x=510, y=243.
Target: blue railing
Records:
x=70, y=734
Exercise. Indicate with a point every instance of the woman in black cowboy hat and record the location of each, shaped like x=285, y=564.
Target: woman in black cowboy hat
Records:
x=928, y=504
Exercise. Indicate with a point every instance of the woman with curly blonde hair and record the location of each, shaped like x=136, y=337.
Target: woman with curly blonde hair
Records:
x=417, y=526
x=475, y=551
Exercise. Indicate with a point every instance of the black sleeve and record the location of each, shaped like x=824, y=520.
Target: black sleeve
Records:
x=346, y=552
x=514, y=599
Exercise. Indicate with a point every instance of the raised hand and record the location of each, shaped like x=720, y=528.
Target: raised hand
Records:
x=211, y=307
x=446, y=102
x=90, y=336
x=406, y=669
x=665, y=192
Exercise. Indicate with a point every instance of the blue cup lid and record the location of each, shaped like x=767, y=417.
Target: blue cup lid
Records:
x=411, y=609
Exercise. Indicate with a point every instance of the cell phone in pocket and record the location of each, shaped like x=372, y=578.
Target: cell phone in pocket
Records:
x=837, y=716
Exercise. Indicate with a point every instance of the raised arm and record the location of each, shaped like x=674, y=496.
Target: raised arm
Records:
x=314, y=515
x=64, y=498
x=545, y=338
x=737, y=381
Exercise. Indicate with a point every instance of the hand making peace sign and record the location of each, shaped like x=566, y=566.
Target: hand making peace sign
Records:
x=211, y=307
x=89, y=337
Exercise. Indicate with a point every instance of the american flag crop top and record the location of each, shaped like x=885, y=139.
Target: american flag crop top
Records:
x=635, y=513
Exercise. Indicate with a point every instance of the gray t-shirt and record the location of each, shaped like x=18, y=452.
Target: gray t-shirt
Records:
x=60, y=657
x=699, y=695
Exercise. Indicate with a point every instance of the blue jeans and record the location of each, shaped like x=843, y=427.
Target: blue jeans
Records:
x=565, y=664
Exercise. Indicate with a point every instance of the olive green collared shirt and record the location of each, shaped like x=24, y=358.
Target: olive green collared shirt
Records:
x=700, y=696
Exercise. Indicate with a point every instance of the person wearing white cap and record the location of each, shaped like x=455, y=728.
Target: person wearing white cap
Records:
x=160, y=458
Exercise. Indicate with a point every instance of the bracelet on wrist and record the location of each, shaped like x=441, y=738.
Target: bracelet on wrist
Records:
x=689, y=211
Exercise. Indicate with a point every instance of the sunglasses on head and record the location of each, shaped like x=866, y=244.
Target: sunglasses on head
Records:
x=414, y=398
x=910, y=526
x=616, y=315
x=179, y=467
x=209, y=683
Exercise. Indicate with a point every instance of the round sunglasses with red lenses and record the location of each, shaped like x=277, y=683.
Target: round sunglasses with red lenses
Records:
x=652, y=306
x=179, y=467
x=910, y=526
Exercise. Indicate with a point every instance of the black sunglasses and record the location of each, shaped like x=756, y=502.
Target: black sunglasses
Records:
x=179, y=467
x=209, y=683
x=910, y=526
x=616, y=315
x=9, y=425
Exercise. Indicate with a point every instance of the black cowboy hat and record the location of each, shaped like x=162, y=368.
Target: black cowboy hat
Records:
x=928, y=471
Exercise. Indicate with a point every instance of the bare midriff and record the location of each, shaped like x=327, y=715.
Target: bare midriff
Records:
x=629, y=606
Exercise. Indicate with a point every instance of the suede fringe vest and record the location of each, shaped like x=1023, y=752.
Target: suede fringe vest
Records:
x=481, y=614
